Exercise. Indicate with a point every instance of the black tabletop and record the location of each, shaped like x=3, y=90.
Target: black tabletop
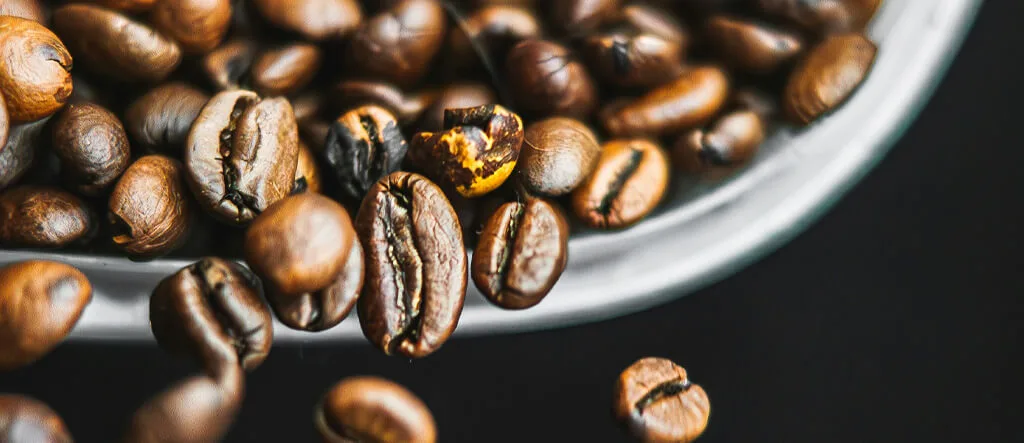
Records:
x=896, y=318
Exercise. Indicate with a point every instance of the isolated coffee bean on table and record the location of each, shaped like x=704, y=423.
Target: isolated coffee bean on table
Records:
x=43, y=217
x=400, y=42
x=35, y=70
x=546, y=80
x=326, y=308
x=160, y=120
x=150, y=210
x=689, y=101
x=314, y=20
x=25, y=419
x=92, y=147
x=829, y=75
x=362, y=146
x=558, y=154
x=656, y=401
x=196, y=410
x=197, y=25
x=630, y=179
x=372, y=409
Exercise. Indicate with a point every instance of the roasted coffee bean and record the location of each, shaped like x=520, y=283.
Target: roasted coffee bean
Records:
x=92, y=147
x=114, y=45
x=126, y=5
x=299, y=244
x=17, y=155
x=823, y=15
x=372, y=409
x=558, y=154
x=399, y=43
x=656, y=401
x=227, y=67
x=41, y=301
x=5, y=122
x=213, y=310
x=526, y=4
x=197, y=25
x=284, y=70
x=43, y=217
x=241, y=154
x=161, y=119
x=689, y=101
x=27, y=9
x=752, y=46
x=307, y=105
x=654, y=20
x=455, y=96
x=307, y=173
x=645, y=47
x=757, y=101
x=731, y=141
x=546, y=80
x=364, y=145
x=25, y=419
x=315, y=20
x=495, y=29
x=151, y=212
x=196, y=410
x=415, y=266
x=351, y=94
x=829, y=74
x=35, y=70
x=324, y=309
x=521, y=253
x=478, y=151
x=629, y=181
x=579, y=17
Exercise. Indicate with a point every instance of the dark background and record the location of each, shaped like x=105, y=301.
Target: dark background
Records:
x=895, y=318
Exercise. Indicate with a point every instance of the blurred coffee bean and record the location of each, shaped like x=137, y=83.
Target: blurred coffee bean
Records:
x=151, y=211
x=92, y=147
x=752, y=46
x=286, y=69
x=758, y=101
x=314, y=131
x=364, y=145
x=689, y=101
x=227, y=67
x=314, y=20
x=27, y=9
x=730, y=141
x=35, y=70
x=656, y=401
x=197, y=25
x=17, y=155
x=43, y=217
x=495, y=29
x=326, y=308
x=455, y=96
x=372, y=409
x=196, y=410
x=126, y=5
x=645, y=47
x=630, y=179
x=307, y=173
x=823, y=16
x=558, y=154
x=546, y=80
x=829, y=74
x=400, y=42
x=41, y=301
x=652, y=19
x=350, y=94
x=580, y=17
x=25, y=419
x=85, y=91
x=161, y=119
x=5, y=122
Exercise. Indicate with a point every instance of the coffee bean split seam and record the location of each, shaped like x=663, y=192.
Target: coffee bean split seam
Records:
x=227, y=140
x=215, y=296
x=616, y=185
x=661, y=392
x=409, y=299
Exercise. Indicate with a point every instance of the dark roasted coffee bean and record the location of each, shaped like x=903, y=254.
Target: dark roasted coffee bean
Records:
x=629, y=181
x=299, y=244
x=521, y=253
x=151, y=212
x=17, y=155
x=455, y=96
x=25, y=419
x=241, y=154
x=729, y=142
x=43, y=217
x=415, y=266
x=546, y=80
x=656, y=401
x=126, y=5
x=213, y=310
x=114, y=45
x=351, y=94
x=196, y=410
x=307, y=173
x=315, y=20
x=689, y=101
x=399, y=43
x=495, y=29
x=823, y=15
x=645, y=48
x=477, y=152
x=829, y=74
x=92, y=147
x=41, y=301
x=558, y=154
x=372, y=409
x=752, y=46
x=35, y=70
x=362, y=146
x=284, y=70
x=324, y=309
x=27, y=9
x=161, y=119
x=227, y=67
x=197, y=25
x=579, y=17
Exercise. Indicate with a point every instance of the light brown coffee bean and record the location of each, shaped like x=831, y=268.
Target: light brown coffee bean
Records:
x=628, y=183
x=832, y=71
x=689, y=101
x=658, y=403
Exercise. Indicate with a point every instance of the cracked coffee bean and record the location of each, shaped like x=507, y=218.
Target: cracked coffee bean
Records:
x=689, y=101
x=558, y=154
x=324, y=309
x=151, y=212
x=546, y=80
x=752, y=46
x=161, y=119
x=314, y=20
x=307, y=172
x=656, y=401
x=646, y=47
x=400, y=42
x=241, y=155
x=630, y=179
x=227, y=67
x=362, y=146
x=25, y=419
x=823, y=16
x=372, y=409
x=828, y=76
x=35, y=70
x=197, y=410
x=415, y=281
x=730, y=141
x=92, y=147
x=43, y=217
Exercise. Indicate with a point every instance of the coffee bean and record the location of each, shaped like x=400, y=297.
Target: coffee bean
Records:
x=227, y=67
x=324, y=309
x=41, y=301
x=579, y=17
x=17, y=155
x=43, y=217
x=362, y=146
x=213, y=310
x=286, y=69
x=526, y=4
x=299, y=244
x=114, y=45
x=829, y=74
x=689, y=101
x=25, y=419
x=35, y=70
x=92, y=147
x=372, y=409
x=400, y=42
x=5, y=122
x=150, y=210
x=307, y=173
x=495, y=29
x=314, y=20
x=197, y=25
x=629, y=181
x=196, y=410
x=546, y=80
x=752, y=46
x=655, y=20
x=645, y=48
x=823, y=16
x=455, y=96
x=758, y=101
x=729, y=142
x=350, y=94
x=415, y=266
x=161, y=119
x=26, y=9
x=126, y=5
x=478, y=151
x=658, y=403
x=558, y=154
x=241, y=154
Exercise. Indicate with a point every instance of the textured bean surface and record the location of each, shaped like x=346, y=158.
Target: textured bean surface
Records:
x=629, y=181
x=558, y=154
x=43, y=217
x=372, y=409
x=658, y=403
x=35, y=69
x=92, y=147
x=150, y=210
x=828, y=76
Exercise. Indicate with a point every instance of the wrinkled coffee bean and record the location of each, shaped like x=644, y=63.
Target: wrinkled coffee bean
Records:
x=43, y=217
x=823, y=16
x=299, y=244
x=731, y=141
x=114, y=45
x=92, y=147
x=415, y=281
x=314, y=20
x=151, y=212
x=752, y=46
x=455, y=96
x=17, y=155
x=41, y=301
x=35, y=70
x=284, y=70
x=227, y=67
x=546, y=80
x=495, y=29
x=829, y=74
x=26, y=9
x=372, y=409
x=324, y=309
x=161, y=119
x=656, y=401
x=629, y=181
x=687, y=102
x=364, y=145
x=351, y=94
x=196, y=410
x=558, y=154
x=645, y=48
x=25, y=419
x=213, y=310
x=399, y=43
x=197, y=25
x=579, y=17
x=241, y=155
x=307, y=173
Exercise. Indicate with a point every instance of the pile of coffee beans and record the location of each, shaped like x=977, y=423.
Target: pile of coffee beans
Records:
x=352, y=151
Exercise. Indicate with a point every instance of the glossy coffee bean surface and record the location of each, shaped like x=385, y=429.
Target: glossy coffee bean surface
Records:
x=400, y=42
x=731, y=141
x=92, y=146
x=315, y=20
x=150, y=210
x=197, y=25
x=558, y=154
x=630, y=179
x=160, y=120
x=286, y=69
x=35, y=70
x=546, y=79
x=326, y=308
x=690, y=100
x=829, y=75
x=658, y=403
x=372, y=409
x=198, y=409
x=25, y=419
x=753, y=46
x=43, y=217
